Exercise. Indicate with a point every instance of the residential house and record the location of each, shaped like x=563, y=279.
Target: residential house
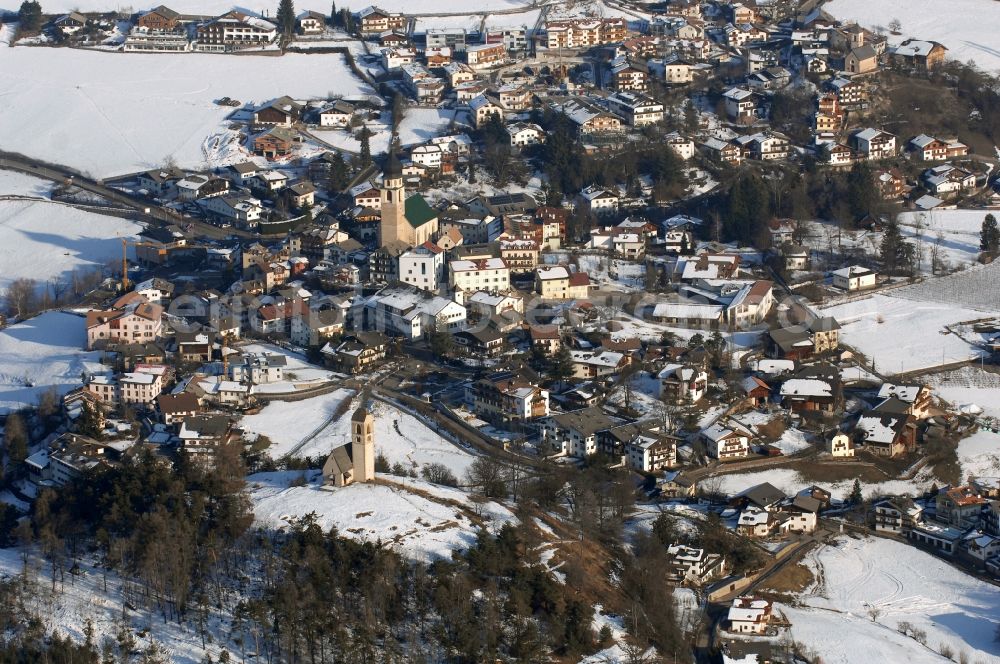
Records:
x=626, y=77
x=594, y=364
x=372, y=21
x=590, y=120
x=636, y=109
x=916, y=400
x=959, y=507
x=724, y=443
x=919, y=54
x=412, y=313
x=947, y=180
x=854, y=278
x=840, y=446
x=522, y=134
x=693, y=566
x=682, y=383
x=311, y=23
x=886, y=434
x=175, y=407
x=725, y=152
x=521, y=256
x=575, y=433
x=138, y=322
x=422, y=266
x=741, y=105
x=678, y=72
x=275, y=142
x=545, y=338
x=598, y=200
x=505, y=399
x=651, y=452
x=875, y=144
x=749, y=615
x=813, y=388
x=202, y=435
x=482, y=109
x=556, y=282
x=485, y=56
x=235, y=30
x=356, y=353
x=676, y=484
x=489, y=274
x=897, y=515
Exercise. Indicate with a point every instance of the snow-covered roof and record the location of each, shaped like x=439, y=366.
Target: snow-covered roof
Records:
x=907, y=393
x=547, y=272
x=752, y=516
x=608, y=359
x=687, y=311
x=915, y=48
x=879, y=428
x=852, y=271
x=737, y=94
x=810, y=387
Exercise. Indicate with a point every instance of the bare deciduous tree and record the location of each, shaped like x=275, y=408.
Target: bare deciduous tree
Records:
x=21, y=297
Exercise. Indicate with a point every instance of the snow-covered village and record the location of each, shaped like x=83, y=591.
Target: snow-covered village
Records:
x=502, y=331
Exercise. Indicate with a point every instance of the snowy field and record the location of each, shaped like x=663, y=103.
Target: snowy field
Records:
x=401, y=437
x=19, y=184
x=979, y=454
x=290, y=424
x=974, y=288
x=113, y=113
x=966, y=27
x=903, y=335
x=416, y=526
x=46, y=241
x=907, y=586
x=969, y=389
x=41, y=353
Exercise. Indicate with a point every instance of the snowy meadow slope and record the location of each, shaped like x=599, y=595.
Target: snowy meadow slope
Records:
x=42, y=353
x=43, y=240
x=112, y=113
x=904, y=585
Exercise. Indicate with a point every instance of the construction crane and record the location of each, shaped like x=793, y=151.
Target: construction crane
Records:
x=125, y=245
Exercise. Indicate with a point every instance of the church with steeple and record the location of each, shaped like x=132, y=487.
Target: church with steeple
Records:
x=354, y=462
x=405, y=220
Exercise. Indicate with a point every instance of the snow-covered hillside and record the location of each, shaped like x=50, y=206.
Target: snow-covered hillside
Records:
x=903, y=335
x=428, y=522
x=113, y=113
x=399, y=436
x=43, y=240
x=41, y=353
x=896, y=583
x=19, y=184
x=966, y=27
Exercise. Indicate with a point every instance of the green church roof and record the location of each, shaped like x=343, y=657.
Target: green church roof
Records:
x=417, y=211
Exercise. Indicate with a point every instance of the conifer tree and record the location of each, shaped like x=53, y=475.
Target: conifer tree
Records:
x=989, y=236
x=286, y=17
